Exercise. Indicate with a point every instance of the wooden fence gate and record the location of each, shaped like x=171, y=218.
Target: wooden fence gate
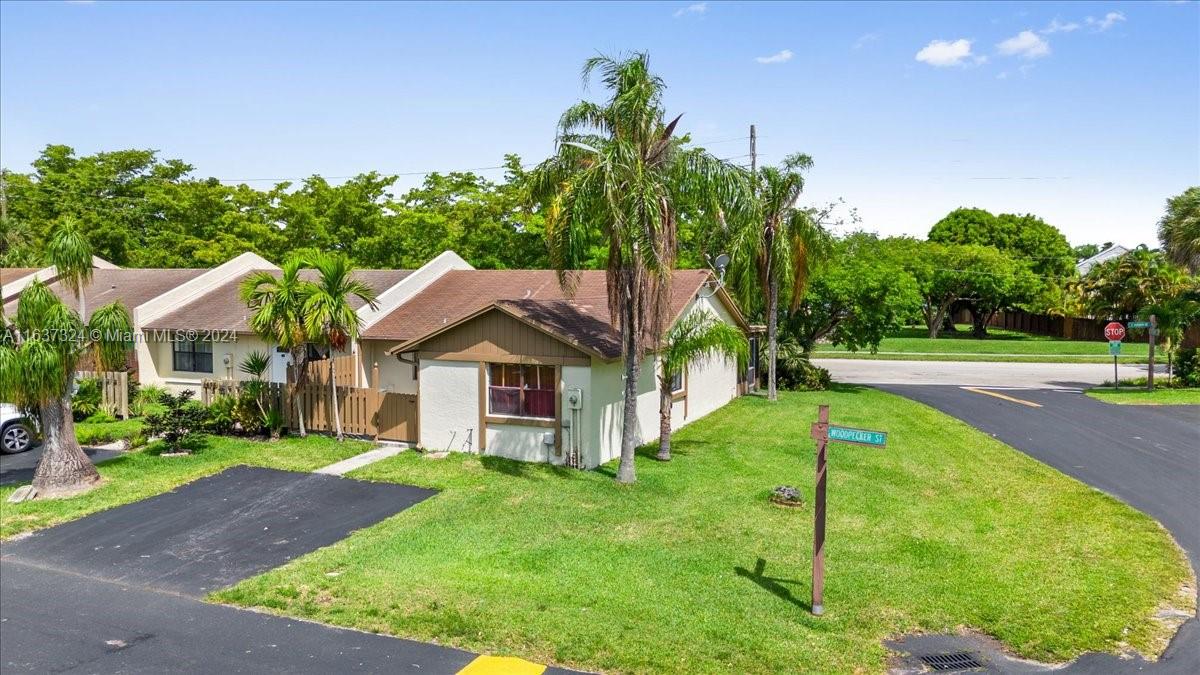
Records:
x=114, y=390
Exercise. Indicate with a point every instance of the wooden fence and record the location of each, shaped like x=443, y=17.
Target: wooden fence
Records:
x=114, y=390
x=377, y=414
x=347, y=371
x=1071, y=328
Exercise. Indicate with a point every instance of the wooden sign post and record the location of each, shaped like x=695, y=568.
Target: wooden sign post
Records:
x=822, y=433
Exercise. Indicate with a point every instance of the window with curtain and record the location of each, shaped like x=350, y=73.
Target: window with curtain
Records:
x=192, y=356
x=521, y=391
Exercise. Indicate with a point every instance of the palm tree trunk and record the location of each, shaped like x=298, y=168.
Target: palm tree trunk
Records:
x=665, y=402
x=772, y=338
x=64, y=469
x=82, y=310
x=337, y=416
x=297, y=369
x=633, y=370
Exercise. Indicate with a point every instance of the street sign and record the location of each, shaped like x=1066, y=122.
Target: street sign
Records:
x=1114, y=347
x=822, y=432
x=858, y=436
x=1114, y=331
x=1138, y=324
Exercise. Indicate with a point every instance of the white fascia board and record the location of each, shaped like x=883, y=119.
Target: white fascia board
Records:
x=409, y=286
x=184, y=293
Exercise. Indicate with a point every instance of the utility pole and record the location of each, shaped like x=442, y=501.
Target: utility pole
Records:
x=753, y=151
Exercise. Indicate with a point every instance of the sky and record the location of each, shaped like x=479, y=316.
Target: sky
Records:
x=1086, y=114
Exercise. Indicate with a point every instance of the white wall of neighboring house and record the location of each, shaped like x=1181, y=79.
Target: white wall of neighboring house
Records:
x=449, y=405
x=150, y=351
x=226, y=358
x=394, y=375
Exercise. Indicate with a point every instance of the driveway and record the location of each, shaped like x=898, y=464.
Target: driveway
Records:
x=869, y=371
x=19, y=468
x=1146, y=456
x=121, y=590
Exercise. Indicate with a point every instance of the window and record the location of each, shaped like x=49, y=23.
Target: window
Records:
x=677, y=383
x=521, y=391
x=192, y=356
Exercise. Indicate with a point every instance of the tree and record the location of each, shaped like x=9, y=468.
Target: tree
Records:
x=277, y=316
x=71, y=255
x=781, y=250
x=1121, y=287
x=1172, y=317
x=696, y=336
x=619, y=174
x=1179, y=229
x=38, y=357
x=329, y=318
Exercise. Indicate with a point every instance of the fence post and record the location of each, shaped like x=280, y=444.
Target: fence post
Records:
x=123, y=385
x=375, y=376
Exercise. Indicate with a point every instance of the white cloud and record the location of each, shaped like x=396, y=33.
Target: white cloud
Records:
x=1026, y=44
x=781, y=56
x=694, y=8
x=942, y=53
x=1057, y=26
x=865, y=39
x=1111, y=19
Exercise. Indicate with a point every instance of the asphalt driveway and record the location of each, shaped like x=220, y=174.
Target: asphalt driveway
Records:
x=19, y=468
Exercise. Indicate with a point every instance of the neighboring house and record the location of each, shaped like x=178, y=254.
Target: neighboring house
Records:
x=504, y=363
x=14, y=279
x=1084, y=266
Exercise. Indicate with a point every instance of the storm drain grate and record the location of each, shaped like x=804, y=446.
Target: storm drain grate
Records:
x=952, y=661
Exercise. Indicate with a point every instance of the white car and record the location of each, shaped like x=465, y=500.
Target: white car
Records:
x=16, y=433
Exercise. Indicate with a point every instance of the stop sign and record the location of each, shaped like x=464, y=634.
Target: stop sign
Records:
x=1114, y=331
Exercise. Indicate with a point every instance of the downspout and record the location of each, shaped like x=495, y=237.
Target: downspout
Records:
x=412, y=362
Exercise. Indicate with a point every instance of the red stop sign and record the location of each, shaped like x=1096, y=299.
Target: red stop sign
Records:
x=1114, y=331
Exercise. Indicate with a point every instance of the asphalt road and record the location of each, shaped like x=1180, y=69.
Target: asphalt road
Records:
x=19, y=468
x=870, y=371
x=1146, y=456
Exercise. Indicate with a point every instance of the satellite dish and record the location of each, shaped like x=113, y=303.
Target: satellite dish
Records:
x=722, y=262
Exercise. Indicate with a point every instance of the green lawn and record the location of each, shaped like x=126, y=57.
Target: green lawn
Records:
x=1139, y=396
x=99, y=433
x=140, y=474
x=692, y=570
x=1000, y=345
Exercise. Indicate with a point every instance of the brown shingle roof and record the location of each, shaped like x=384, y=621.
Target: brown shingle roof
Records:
x=11, y=274
x=131, y=286
x=222, y=309
x=533, y=295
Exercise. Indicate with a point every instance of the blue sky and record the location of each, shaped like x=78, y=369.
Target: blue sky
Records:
x=1087, y=114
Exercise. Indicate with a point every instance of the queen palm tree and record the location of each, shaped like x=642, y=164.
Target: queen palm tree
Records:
x=619, y=175
x=277, y=304
x=329, y=318
x=1179, y=229
x=697, y=335
x=71, y=254
x=780, y=250
x=38, y=357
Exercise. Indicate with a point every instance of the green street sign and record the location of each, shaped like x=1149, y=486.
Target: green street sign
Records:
x=858, y=436
x=1138, y=324
x=1114, y=347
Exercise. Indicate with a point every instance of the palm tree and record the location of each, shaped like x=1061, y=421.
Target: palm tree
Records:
x=38, y=357
x=1172, y=316
x=278, y=318
x=329, y=318
x=697, y=335
x=1179, y=229
x=780, y=250
x=620, y=172
x=71, y=254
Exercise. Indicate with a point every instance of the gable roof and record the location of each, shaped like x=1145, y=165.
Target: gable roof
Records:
x=132, y=287
x=11, y=274
x=1085, y=265
x=531, y=296
x=222, y=309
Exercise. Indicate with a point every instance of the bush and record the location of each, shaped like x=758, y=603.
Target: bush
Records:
x=147, y=400
x=102, y=417
x=220, y=414
x=179, y=421
x=87, y=399
x=794, y=371
x=1187, y=367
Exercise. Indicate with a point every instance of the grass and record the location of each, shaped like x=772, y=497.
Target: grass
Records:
x=1001, y=345
x=1130, y=394
x=143, y=473
x=99, y=433
x=692, y=570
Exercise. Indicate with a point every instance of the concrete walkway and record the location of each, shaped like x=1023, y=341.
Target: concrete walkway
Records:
x=358, y=461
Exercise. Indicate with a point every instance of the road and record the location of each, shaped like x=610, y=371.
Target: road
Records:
x=1000, y=374
x=1146, y=456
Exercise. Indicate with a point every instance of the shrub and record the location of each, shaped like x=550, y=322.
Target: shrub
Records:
x=102, y=417
x=147, y=399
x=179, y=421
x=87, y=398
x=220, y=414
x=795, y=372
x=1187, y=367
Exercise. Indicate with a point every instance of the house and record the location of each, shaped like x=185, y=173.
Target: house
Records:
x=1084, y=266
x=504, y=363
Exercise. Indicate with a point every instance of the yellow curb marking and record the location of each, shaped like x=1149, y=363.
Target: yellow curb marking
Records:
x=502, y=665
x=985, y=392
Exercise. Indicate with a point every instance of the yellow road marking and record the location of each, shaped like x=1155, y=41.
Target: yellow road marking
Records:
x=985, y=392
x=502, y=665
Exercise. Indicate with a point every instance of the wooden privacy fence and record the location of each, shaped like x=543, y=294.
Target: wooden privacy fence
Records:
x=114, y=390
x=1071, y=328
x=381, y=415
x=347, y=371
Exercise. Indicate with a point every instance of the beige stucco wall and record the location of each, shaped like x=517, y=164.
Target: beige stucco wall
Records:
x=226, y=357
x=394, y=375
